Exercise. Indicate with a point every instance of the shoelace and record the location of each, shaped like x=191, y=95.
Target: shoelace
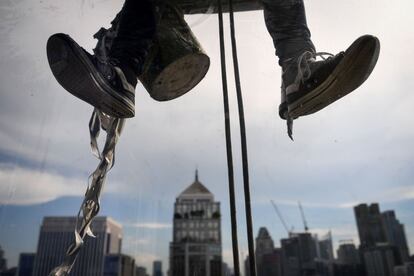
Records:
x=304, y=70
x=304, y=73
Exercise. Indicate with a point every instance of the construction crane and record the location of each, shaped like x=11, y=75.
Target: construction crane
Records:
x=305, y=224
x=280, y=217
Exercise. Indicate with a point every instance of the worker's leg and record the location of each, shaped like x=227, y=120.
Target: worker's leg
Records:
x=309, y=85
x=135, y=34
x=108, y=85
x=286, y=23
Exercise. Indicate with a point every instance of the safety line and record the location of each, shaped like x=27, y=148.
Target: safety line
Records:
x=233, y=211
x=248, y=211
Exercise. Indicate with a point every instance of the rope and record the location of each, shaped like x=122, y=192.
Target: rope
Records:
x=249, y=224
x=235, y=245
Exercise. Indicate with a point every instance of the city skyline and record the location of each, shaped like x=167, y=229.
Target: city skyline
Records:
x=165, y=226
x=358, y=150
x=264, y=241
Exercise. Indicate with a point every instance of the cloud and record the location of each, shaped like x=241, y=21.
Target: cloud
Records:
x=21, y=186
x=150, y=225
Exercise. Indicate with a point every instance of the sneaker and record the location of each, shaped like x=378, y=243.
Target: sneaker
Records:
x=312, y=85
x=103, y=84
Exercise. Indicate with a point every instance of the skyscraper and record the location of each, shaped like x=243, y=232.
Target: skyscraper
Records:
x=56, y=233
x=119, y=265
x=268, y=259
x=325, y=247
x=369, y=223
x=395, y=234
x=25, y=266
x=299, y=254
x=3, y=262
x=383, y=240
x=348, y=254
x=381, y=259
x=141, y=271
x=196, y=245
x=157, y=268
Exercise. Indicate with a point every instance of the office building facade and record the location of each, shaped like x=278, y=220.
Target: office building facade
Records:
x=26, y=264
x=57, y=233
x=157, y=268
x=369, y=224
x=268, y=258
x=196, y=246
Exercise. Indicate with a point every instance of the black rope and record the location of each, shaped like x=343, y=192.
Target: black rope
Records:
x=249, y=223
x=228, y=145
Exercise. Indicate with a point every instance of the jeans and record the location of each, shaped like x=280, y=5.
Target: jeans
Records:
x=136, y=31
x=285, y=20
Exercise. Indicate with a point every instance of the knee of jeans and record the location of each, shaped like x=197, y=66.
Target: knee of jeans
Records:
x=281, y=2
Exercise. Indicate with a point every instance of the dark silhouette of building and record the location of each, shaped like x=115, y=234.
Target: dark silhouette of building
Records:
x=381, y=259
x=370, y=226
x=268, y=259
x=383, y=240
x=349, y=261
x=196, y=245
x=395, y=234
x=247, y=266
x=119, y=265
x=325, y=248
x=57, y=233
x=348, y=254
x=9, y=272
x=299, y=254
x=3, y=261
x=141, y=271
x=157, y=268
x=404, y=270
x=225, y=270
x=26, y=264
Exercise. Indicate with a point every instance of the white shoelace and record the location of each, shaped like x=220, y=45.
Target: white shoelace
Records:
x=304, y=73
x=304, y=70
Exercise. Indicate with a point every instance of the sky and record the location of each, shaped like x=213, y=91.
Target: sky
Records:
x=357, y=150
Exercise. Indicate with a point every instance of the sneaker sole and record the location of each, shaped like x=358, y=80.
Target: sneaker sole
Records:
x=76, y=73
x=356, y=66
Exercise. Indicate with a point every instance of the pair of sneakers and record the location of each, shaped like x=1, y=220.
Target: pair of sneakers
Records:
x=308, y=85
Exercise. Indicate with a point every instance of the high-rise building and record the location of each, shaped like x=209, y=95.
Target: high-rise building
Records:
x=268, y=259
x=26, y=263
x=141, y=271
x=381, y=259
x=9, y=272
x=57, y=233
x=299, y=254
x=226, y=270
x=3, y=262
x=247, y=266
x=157, y=268
x=119, y=265
x=395, y=234
x=325, y=247
x=370, y=226
x=404, y=270
x=196, y=245
x=348, y=254
x=383, y=240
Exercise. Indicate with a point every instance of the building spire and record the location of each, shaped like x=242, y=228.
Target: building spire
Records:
x=196, y=175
